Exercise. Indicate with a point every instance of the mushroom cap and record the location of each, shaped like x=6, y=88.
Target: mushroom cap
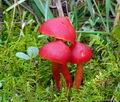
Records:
x=80, y=53
x=56, y=51
x=60, y=28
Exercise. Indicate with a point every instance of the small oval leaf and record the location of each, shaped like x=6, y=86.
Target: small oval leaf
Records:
x=22, y=55
x=32, y=51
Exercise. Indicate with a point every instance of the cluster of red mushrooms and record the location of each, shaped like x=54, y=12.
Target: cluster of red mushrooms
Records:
x=61, y=54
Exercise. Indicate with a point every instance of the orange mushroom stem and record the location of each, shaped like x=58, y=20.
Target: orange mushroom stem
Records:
x=81, y=53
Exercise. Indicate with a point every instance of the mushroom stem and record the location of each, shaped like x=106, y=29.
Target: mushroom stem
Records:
x=56, y=75
x=78, y=75
x=66, y=74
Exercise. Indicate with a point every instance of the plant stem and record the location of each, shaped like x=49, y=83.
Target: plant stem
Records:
x=56, y=75
x=66, y=74
x=59, y=7
x=78, y=75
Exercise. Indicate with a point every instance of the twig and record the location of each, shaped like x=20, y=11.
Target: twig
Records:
x=59, y=7
x=30, y=10
x=112, y=99
x=52, y=7
x=14, y=22
x=117, y=18
x=66, y=7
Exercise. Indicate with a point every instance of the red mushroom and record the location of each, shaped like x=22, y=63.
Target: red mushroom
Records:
x=60, y=28
x=81, y=53
x=58, y=53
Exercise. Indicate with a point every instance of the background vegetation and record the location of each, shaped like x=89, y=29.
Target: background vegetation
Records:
x=96, y=23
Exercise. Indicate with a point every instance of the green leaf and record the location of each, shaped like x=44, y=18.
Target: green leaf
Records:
x=32, y=51
x=22, y=55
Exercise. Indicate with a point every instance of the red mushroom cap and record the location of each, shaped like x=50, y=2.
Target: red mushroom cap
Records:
x=56, y=51
x=60, y=28
x=80, y=53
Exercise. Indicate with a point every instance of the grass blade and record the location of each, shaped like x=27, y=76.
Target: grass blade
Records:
x=13, y=6
x=46, y=10
x=90, y=7
x=100, y=14
x=36, y=10
x=41, y=8
x=108, y=4
x=0, y=3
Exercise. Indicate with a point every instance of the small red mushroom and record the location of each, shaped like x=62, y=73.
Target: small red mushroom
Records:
x=81, y=53
x=58, y=53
